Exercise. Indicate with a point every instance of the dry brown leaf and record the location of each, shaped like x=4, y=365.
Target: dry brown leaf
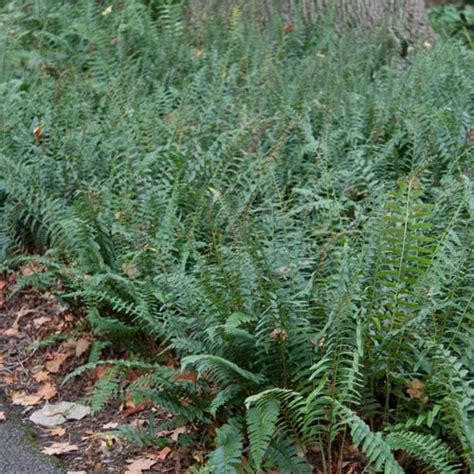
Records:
x=57, y=431
x=54, y=365
x=416, y=390
x=279, y=333
x=163, y=454
x=59, y=448
x=12, y=332
x=82, y=346
x=68, y=346
x=3, y=284
x=186, y=377
x=131, y=410
x=41, y=376
x=173, y=434
x=9, y=379
x=140, y=465
x=178, y=431
x=129, y=270
x=470, y=135
x=101, y=371
x=38, y=322
x=199, y=456
x=23, y=399
x=47, y=391
x=132, y=376
x=32, y=268
x=138, y=423
x=3, y=416
x=110, y=426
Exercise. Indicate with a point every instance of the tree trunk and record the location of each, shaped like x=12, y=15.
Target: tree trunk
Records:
x=407, y=19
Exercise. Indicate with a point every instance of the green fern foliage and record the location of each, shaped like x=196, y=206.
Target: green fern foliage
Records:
x=289, y=214
x=426, y=448
x=261, y=422
x=228, y=453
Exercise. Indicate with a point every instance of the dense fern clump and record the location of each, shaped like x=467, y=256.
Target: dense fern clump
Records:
x=289, y=212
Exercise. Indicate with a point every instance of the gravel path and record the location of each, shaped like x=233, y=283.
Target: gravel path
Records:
x=18, y=455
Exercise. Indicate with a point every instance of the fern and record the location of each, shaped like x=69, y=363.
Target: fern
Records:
x=426, y=448
x=104, y=389
x=261, y=422
x=290, y=214
x=376, y=448
x=227, y=455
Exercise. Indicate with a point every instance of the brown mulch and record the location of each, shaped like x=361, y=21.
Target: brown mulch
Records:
x=29, y=317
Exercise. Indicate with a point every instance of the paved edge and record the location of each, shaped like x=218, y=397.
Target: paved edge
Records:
x=18, y=454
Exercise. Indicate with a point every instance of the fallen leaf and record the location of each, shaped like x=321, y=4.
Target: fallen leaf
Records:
x=57, y=413
x=54, y=365
x=416, y=390
x=178, y=431
x=70, y=410
x=174, y=434
x=44, y=418
x=38, y=322
x=47, y=391
x=32, y=268
x=199, y=456
x=161, y=455
x=82, y=346
x=110, y=426
x=3, y=416
x=279, y=333
x=186, y=377
x=58, y=431
x=3, y=284
x=132, y=376
x=41, y=376
x=68, y=346
x=131, y=410
x=23, y=399
x=140, y=465
x=129, y=270
x=9, y=379
x=12, y=332
x=101, y=371
x=59, y=448
x=138, y=423
x=289, y=27
x=37, y=132
x=470, y=135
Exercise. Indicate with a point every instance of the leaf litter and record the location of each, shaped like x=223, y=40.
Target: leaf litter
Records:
x=32, y=377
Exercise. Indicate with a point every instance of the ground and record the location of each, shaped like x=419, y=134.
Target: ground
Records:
x=32, y=375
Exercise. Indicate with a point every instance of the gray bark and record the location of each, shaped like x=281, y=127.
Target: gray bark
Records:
x=407, y=19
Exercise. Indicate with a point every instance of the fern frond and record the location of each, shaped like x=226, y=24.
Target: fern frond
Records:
x=228, y=453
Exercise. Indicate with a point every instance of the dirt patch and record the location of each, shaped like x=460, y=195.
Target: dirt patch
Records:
x=40, y=343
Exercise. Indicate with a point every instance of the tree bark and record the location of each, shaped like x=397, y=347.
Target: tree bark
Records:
x=407, y=19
